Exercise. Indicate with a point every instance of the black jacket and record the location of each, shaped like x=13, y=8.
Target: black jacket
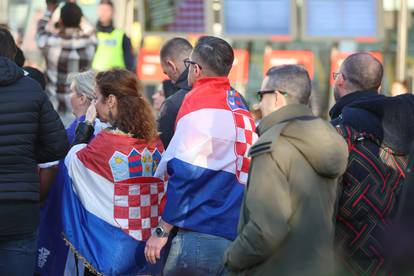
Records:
x=170, y=108
x=31, y=132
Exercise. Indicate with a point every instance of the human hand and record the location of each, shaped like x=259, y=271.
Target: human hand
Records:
x=91, y=113
x=153, y=248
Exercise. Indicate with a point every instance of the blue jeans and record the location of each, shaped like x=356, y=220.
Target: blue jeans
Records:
x=196, y=254
x=17, y=256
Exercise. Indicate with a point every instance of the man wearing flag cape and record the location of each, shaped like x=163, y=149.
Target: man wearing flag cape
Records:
x=111, y=200
x=207, y=165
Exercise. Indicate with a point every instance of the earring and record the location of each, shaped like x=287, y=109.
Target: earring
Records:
x=111, y=118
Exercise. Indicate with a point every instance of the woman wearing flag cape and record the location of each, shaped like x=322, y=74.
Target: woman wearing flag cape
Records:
x=111, y=200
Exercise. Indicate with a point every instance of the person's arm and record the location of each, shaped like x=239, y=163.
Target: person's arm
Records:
x=268, y=201
x=52, y=139
x=155, y=244
x=42, y=35
x=47, y=176
x=128, y=55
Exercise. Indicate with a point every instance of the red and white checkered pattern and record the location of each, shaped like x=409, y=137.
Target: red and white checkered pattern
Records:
x=245, y=137
x=137, y=208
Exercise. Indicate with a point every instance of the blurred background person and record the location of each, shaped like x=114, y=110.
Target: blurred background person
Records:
x=165, y=89
x=68, y=51
x=398, y=88
x=114, y=48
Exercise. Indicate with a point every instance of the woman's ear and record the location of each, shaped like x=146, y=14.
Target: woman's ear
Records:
x=111, y=100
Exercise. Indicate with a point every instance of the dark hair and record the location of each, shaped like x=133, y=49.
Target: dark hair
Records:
x=214, y=53
x=176, y=47
x=8, y=47
x=363, y=71
x=71, y=15
x=168, y=88
x=36, y=75
x=106, y=2
x=134, y=112
x=19, y=59
x=292, y=79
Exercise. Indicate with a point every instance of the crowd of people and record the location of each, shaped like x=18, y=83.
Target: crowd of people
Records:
x=195, y=185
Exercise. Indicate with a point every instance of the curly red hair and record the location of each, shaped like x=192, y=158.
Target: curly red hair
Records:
x=134, y=111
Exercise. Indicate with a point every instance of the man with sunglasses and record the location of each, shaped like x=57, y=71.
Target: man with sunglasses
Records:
x=286, y=226
x=378, y=130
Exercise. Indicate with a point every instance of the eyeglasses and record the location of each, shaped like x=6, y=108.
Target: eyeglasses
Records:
x=188, y=61
x=260, y=93
x=335, y=75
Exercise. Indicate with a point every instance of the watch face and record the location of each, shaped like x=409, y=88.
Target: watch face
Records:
x=158, y=231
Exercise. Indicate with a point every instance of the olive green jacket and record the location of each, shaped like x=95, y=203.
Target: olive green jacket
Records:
x=286, y=222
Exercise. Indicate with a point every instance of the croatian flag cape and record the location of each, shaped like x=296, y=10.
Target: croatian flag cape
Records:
x=112, y=202
x=207, y=160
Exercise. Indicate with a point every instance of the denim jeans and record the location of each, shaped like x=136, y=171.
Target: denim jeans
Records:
x=196, y=254
x=17, y=256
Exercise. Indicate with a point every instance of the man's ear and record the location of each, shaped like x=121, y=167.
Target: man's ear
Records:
x=197, y=70
x=172, y=65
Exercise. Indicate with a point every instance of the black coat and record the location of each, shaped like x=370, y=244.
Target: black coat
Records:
x=31, y=132
x=170, y=108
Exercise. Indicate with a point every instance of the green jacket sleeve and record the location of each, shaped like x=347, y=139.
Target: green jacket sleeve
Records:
x=268, y=207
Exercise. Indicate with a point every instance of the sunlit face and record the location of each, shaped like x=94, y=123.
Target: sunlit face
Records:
x=158, y=98
x=339, y=85
x=194, y=70
x=105, y=13
x=78, y=102
x=268, y=103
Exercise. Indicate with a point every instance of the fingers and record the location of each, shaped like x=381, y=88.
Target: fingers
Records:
x=152, y=254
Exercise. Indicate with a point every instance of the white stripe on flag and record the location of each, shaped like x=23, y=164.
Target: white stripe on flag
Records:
x=95, y=192
x=205, y=138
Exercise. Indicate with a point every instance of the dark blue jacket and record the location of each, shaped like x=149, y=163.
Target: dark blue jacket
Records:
x=390, y=119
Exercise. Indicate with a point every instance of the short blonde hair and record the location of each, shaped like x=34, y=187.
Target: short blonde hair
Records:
x=84, y=83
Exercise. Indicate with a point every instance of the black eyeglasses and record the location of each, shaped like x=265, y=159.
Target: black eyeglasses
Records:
x=188, y=61
x=260, y=93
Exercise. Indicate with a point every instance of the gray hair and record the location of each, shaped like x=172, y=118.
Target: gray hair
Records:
x=292, y=79
x=84, y=83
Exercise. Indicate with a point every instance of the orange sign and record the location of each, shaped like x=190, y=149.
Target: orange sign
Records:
x=282, y=57
x=149, y=67
x=240, y=71
x=339, y=57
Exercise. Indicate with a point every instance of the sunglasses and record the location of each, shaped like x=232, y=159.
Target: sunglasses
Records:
x=260, y=93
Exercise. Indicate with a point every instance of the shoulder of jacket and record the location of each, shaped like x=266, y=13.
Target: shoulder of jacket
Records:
x=267, y=141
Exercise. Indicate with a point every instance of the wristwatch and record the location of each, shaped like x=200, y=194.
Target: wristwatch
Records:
x=160, y=232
